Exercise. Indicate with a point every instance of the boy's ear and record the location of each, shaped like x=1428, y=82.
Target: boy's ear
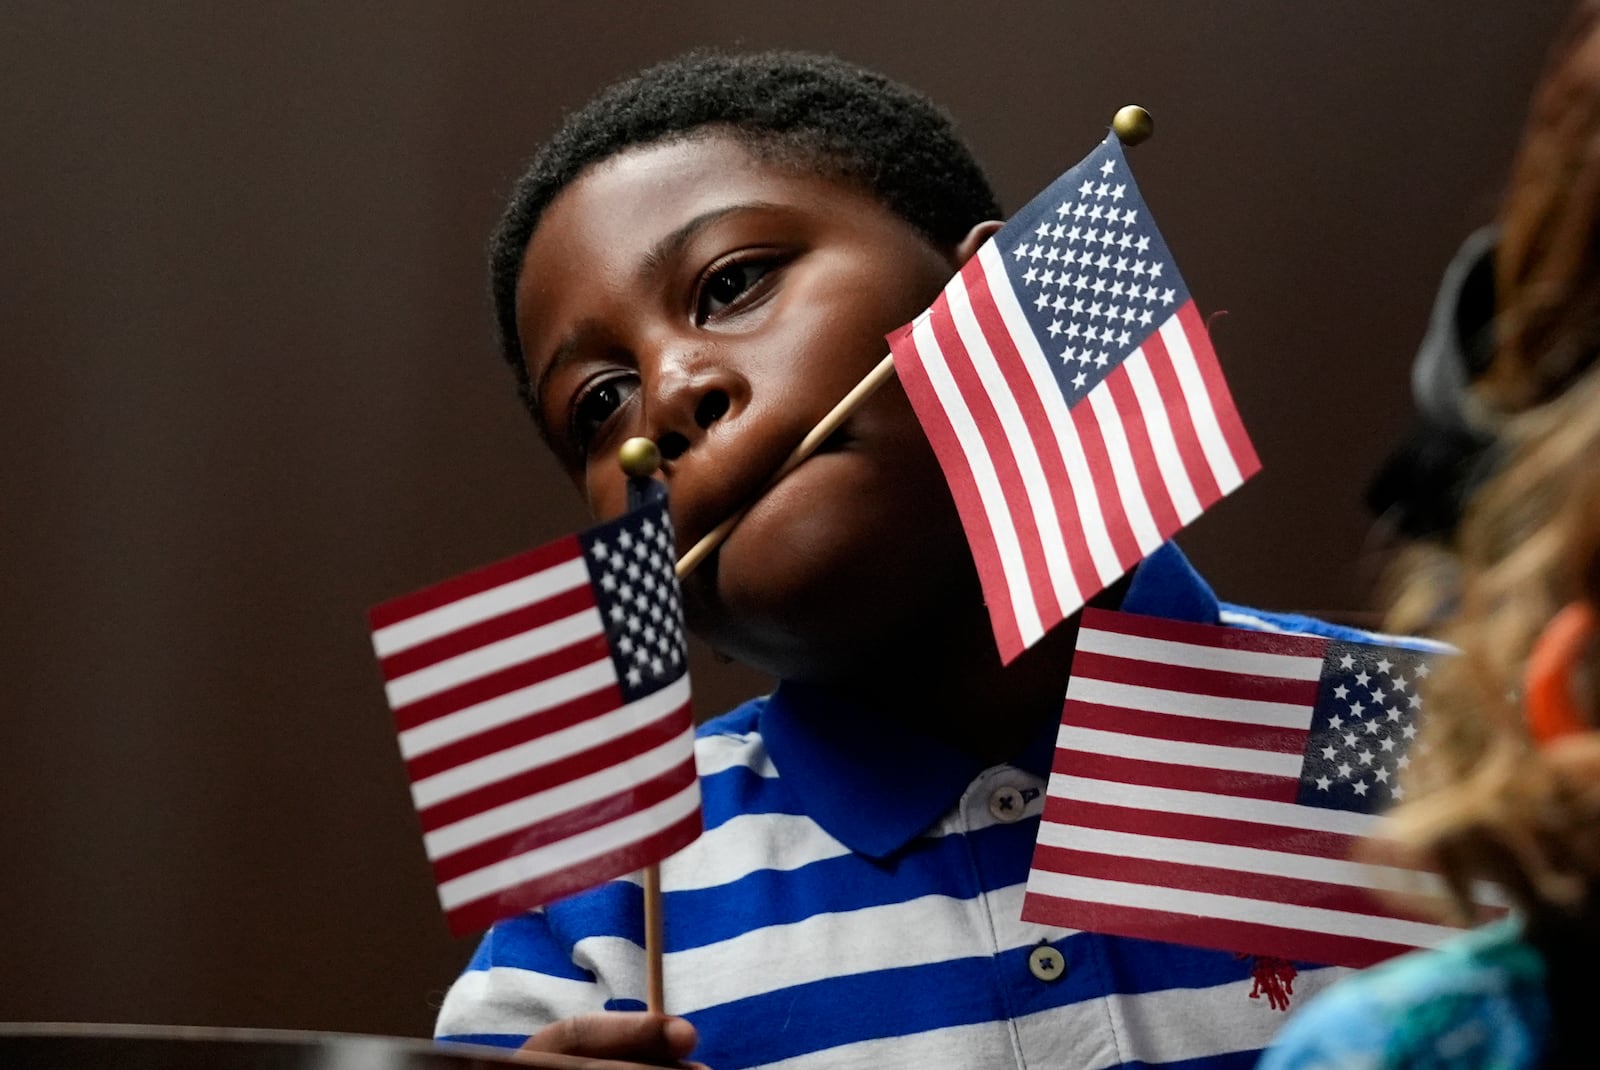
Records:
x=968, y=247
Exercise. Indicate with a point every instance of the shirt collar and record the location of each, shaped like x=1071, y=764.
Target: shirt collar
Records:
x=1166, y=585
x=874, y=789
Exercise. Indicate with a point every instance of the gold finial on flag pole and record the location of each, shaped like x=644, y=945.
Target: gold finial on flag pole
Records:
x=639, y=457
x=1133, y=125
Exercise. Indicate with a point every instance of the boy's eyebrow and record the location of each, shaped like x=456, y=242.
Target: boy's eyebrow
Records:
x=672, y=244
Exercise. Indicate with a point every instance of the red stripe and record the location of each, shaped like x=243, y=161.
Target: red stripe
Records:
x=1233, y=432
x=999, y=448
x=1167, y=775
x=1178, y=631
x=936, y=425
x=603, y=755
x=1153, y=486
x=557, y=607
x=540, y=722
x=1147, y=725
x=1041, y=431
x=1217, y=880
x=1248, y=938
x=1104, y=480
x=1181, y=826
x=475, y=582
x=513, y=677
x=1191, y=680
x=589, y=815
x=481, y=913
x=1195, y=465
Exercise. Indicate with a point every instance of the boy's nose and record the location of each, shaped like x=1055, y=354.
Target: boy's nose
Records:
x=709, y=408
x=688, y=402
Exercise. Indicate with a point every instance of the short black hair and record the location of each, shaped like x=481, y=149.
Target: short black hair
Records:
x=849, y=122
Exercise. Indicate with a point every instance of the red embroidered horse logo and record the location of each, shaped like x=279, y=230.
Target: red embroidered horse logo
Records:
x=1274, y=978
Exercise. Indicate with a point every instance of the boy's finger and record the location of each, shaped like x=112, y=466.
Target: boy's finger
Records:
x=617, y=1035
x=681, y=1037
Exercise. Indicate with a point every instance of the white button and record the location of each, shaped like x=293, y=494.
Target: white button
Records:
x=1007, y=805
x=1047, y=964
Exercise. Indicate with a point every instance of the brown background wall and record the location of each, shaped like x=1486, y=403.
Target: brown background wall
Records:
x=247, y=389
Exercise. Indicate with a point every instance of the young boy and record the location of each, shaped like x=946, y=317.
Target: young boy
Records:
x=710, y=255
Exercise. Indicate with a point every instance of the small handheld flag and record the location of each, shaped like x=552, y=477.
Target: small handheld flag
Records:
x=1070, y=392
x=1210, y=783
x=543, y=710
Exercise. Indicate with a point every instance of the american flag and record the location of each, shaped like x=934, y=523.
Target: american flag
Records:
x=543, y=710
x=1210, y=783
x=1069, y=389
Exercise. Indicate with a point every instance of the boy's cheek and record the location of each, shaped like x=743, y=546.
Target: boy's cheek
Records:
x=825, y=562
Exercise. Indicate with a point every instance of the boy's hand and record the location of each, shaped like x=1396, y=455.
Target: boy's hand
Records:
x=622, y=1039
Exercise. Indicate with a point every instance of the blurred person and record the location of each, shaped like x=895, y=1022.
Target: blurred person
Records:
x=1505, y=785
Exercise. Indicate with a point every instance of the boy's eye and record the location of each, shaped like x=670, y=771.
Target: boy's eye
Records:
x=727, y=285
x=594, y=407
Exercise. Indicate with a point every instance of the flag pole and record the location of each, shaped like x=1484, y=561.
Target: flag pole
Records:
x=1132, y=125
x=640, y=459
x=654, y=987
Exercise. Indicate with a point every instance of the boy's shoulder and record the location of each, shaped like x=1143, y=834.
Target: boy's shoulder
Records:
x=739, y=723
x=1261, y=620
x=732, y=739
x=1167, y=585
x=1475, y=1001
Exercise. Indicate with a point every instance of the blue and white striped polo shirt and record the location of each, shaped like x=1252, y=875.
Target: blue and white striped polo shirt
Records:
x=856, y=901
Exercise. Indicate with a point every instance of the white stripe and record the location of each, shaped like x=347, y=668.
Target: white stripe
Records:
x=1234, y=857
x=1240, y=619
x=572, y=851
x=1159, y=427
x=477, y=608
x=1204, y=804
x=990, y=493
x=492, y=657
x=725, y=854
x=512, y=1000
x=1412, y=642
x=574, y=739
x=1124, y=474
x=857, y=941
x=1173, y=752
x=1249, y=620
x=1037, y=364
x=1199, y=656
x=1036, y=488
x=1236, y=908
x=1201, y=415
x=603, y=787
x=715, y=753
x=511, y=706
x=1188, y=704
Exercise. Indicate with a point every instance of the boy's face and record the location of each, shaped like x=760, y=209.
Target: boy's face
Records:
x=720, y=304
